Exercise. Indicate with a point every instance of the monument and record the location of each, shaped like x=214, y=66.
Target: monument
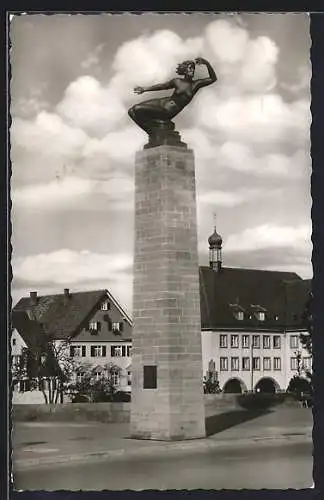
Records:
x=167, y=380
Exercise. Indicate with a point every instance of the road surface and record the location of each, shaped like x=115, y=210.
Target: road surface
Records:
x=282, y=465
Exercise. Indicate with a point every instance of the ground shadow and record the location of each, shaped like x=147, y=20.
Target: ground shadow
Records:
x=218, y=423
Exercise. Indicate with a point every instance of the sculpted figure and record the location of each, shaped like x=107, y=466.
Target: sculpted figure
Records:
x=160, y=111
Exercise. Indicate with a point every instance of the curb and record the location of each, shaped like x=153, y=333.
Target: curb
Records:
x=198, y=446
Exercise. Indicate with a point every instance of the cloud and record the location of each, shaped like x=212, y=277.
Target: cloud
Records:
x=226, y=199
x=71, y=192
x=254, y=119
x=89, y=105
x=47, y=134
x=269, y=236
x=76, y=270
x=68, y=266
x=120, y=146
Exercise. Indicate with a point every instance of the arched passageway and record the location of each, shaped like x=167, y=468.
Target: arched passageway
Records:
x=233, y=386
x=267, y=385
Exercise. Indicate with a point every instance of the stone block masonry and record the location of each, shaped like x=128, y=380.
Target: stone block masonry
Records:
x=167, y=391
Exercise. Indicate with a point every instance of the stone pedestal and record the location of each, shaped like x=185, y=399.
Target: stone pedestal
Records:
x=167, y=390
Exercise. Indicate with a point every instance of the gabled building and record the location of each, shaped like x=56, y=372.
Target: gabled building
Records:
x=94, y=326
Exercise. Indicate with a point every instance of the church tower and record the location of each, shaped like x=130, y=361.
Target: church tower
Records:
x=215, y=251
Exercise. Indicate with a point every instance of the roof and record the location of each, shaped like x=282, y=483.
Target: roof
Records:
x=29, y=330
x=62, y=317
x=282, y=295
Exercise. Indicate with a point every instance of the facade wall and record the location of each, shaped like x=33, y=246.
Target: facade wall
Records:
x=212, y=351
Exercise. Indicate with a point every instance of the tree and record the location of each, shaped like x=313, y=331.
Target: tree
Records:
x=211, y=384
x=47, y=366
x=307, y=320
x=89, y=388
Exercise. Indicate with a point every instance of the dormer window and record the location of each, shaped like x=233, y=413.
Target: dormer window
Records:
x=237, y=311
x=259, y=312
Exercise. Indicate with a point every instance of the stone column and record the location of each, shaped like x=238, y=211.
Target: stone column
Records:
x=167, y=390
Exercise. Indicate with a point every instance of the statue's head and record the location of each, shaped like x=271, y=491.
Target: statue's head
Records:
x=186, y=68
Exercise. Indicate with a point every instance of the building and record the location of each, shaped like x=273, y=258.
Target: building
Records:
x=251, y=322
x=92, y=326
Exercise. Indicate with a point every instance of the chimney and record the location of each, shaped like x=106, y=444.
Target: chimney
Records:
x=66, y=295
x=33, y=298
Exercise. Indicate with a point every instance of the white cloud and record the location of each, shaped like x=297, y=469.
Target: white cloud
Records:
x=71, y=192
x=225, y=198
x=120, y=146
x=67, y=266
x=91, y=106
x=83, y=270
x=254, y=119
x=269, y=236
x=48, y=134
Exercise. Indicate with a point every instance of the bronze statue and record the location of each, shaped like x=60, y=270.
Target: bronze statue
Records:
x=156, y=114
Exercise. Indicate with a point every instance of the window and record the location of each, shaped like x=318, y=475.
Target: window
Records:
x=97, y=375
x=294, y=341
x=276, y=317
x=14, y=341
x=266, y=342
x=256, y=341
x=115, y=377
x=256, y=364
x=149, y=377
x=76, y=351
x=235, y=365
x=120, y=351
x=266, y=364
x=223, y=364
x=276, y=342
x=105, y=306
x=246, y=364
x=234, y=341
x=80, y=376
x=307, y=363
x=223, y=341
x=93, y=325
x=277, y=364
x=115, y=326
x=245, y=341
x=239, y=315
x=97, y=351
x=294, y=364
x=261, y=316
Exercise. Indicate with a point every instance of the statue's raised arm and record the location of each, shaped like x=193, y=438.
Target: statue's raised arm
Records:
x=159, y=112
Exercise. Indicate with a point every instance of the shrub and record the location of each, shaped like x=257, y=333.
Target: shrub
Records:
x=260, y=401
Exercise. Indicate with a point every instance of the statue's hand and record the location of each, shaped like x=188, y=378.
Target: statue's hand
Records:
x=138, y=90
x=200, y=60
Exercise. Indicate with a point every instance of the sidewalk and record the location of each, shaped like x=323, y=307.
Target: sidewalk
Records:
x=41, y=444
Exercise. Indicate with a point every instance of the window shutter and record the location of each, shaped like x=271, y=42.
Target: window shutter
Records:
x=98, y=326
x=83, y=351
x=104, y=350
x=112, y=351
x=109, y=324
x=92, y=352
x=121, y=326
x=71, y=351
x=124, y=350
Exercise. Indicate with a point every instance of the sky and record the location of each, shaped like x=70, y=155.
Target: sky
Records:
x=73, y=144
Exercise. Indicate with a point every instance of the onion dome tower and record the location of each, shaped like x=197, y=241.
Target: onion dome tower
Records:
x=215, y=251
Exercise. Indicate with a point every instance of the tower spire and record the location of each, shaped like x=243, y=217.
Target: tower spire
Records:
x=215, y=249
